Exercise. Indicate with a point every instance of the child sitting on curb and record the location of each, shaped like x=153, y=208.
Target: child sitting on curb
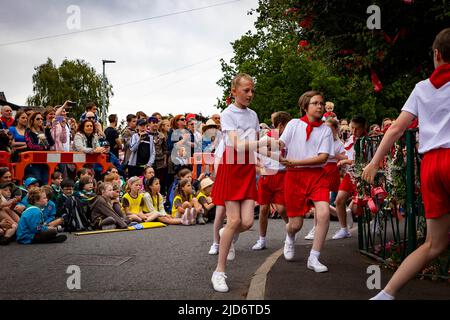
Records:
x=185, y=206
x=155, y=203
x=32, y=227
x=204, y=199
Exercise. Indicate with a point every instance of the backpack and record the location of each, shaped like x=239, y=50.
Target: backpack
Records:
x=171, y=195
x=75, y=215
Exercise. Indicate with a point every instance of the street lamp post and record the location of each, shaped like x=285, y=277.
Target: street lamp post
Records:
x=104, y=91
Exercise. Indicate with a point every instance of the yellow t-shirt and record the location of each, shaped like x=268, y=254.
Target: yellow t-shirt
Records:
x=177, y=201
x=134, y=205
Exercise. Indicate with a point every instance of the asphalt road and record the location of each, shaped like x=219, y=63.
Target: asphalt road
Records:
x=166, y=263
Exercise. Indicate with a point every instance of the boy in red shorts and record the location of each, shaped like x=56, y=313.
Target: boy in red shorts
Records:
x=347, y=188
x=271, y=182
x=309, y=143
x=430, y=103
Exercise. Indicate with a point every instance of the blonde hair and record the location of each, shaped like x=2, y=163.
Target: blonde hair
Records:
x=130, y=182
x=237, y=79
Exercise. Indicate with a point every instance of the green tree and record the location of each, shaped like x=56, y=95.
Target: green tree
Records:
x=326, y=45
x=75, y=80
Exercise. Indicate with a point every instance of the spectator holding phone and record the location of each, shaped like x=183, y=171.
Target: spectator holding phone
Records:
x=38, y=138
x=60, y=129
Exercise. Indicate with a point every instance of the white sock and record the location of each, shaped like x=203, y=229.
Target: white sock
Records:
x=216, y=273
x=314, y=253
x=383, y=296
x=289, y=239
x=262, y=239
x=344, y=229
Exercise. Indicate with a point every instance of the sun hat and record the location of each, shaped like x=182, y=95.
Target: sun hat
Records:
x=205, y=183
x=209, y=124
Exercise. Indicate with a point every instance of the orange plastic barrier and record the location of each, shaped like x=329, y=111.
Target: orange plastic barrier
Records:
x=53, y=158
x=205, y=159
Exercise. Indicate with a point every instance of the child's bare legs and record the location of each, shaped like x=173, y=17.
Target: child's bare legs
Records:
x=134, y=218
x=341, y=211
x=264, y=221
x=218, y=222
x=151, y=216
x=322, y=216
x=169, y=220
x=12, y=214
x=240, y=217
x=435, y=244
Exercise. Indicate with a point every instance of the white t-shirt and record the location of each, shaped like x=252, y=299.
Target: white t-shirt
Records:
x=320, y=141
x=338, y=149
x=350, y=151
x=432, y=107
x=244, y=121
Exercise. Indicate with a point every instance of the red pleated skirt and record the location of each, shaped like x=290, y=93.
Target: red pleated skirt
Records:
x=235, y=178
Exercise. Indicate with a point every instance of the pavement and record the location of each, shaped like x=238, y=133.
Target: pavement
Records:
x=172, y=263
x=346, y=279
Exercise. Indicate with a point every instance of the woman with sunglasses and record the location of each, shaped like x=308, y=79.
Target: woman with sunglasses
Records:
x=38, y=138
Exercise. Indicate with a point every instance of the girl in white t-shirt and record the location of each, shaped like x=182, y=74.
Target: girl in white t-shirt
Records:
x=309, y=144
x=235, y=184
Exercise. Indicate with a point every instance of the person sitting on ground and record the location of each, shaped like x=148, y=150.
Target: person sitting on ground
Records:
x=8, y=218
x=205, y=200
x=50, y=209
x=82, y=173
x=57, y=179
x=103, y=215
x=185, y=206
x=133, y=203
x=70, y=209
x=86, y=192
x=30, y=183
x=8, y=228
x=32, y=227
x=149, y=173
x=155, y=202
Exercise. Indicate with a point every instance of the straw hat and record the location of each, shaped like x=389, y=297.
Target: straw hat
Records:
x=209, y=124
x=205, y=183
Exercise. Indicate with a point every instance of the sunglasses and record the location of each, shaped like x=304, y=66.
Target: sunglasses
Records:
x=182, y=119
x=90, y=118
x=38, y=119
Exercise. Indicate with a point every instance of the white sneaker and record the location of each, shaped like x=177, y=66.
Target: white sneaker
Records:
x=218, y=282
x=311, y=234
x=289, y=251
x=185, y=219
x=232, y=252
x=341, y=234
x=349, y=218
x=314, y=264
x=259, y=245
x=214, y=250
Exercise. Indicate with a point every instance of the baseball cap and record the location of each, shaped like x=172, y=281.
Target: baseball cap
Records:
x=152, y=119
x=141, y=122
x=29, y=181
x=191, y=116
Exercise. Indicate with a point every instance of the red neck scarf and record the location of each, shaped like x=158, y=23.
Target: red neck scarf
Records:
x=441, y=76
x=311, y=126
x=351, y=144
x=7, y=122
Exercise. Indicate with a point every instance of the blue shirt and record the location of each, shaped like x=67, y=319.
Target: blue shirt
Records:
x=31, y=223
x=17, y=136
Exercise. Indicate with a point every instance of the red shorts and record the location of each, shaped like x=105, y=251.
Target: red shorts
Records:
x=333, y=176
x=271, y=189
x=302, y=187
x=435, y=183
x=235, y=181
x=347, y=185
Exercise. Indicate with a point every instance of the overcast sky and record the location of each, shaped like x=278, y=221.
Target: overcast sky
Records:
x=144, y=51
